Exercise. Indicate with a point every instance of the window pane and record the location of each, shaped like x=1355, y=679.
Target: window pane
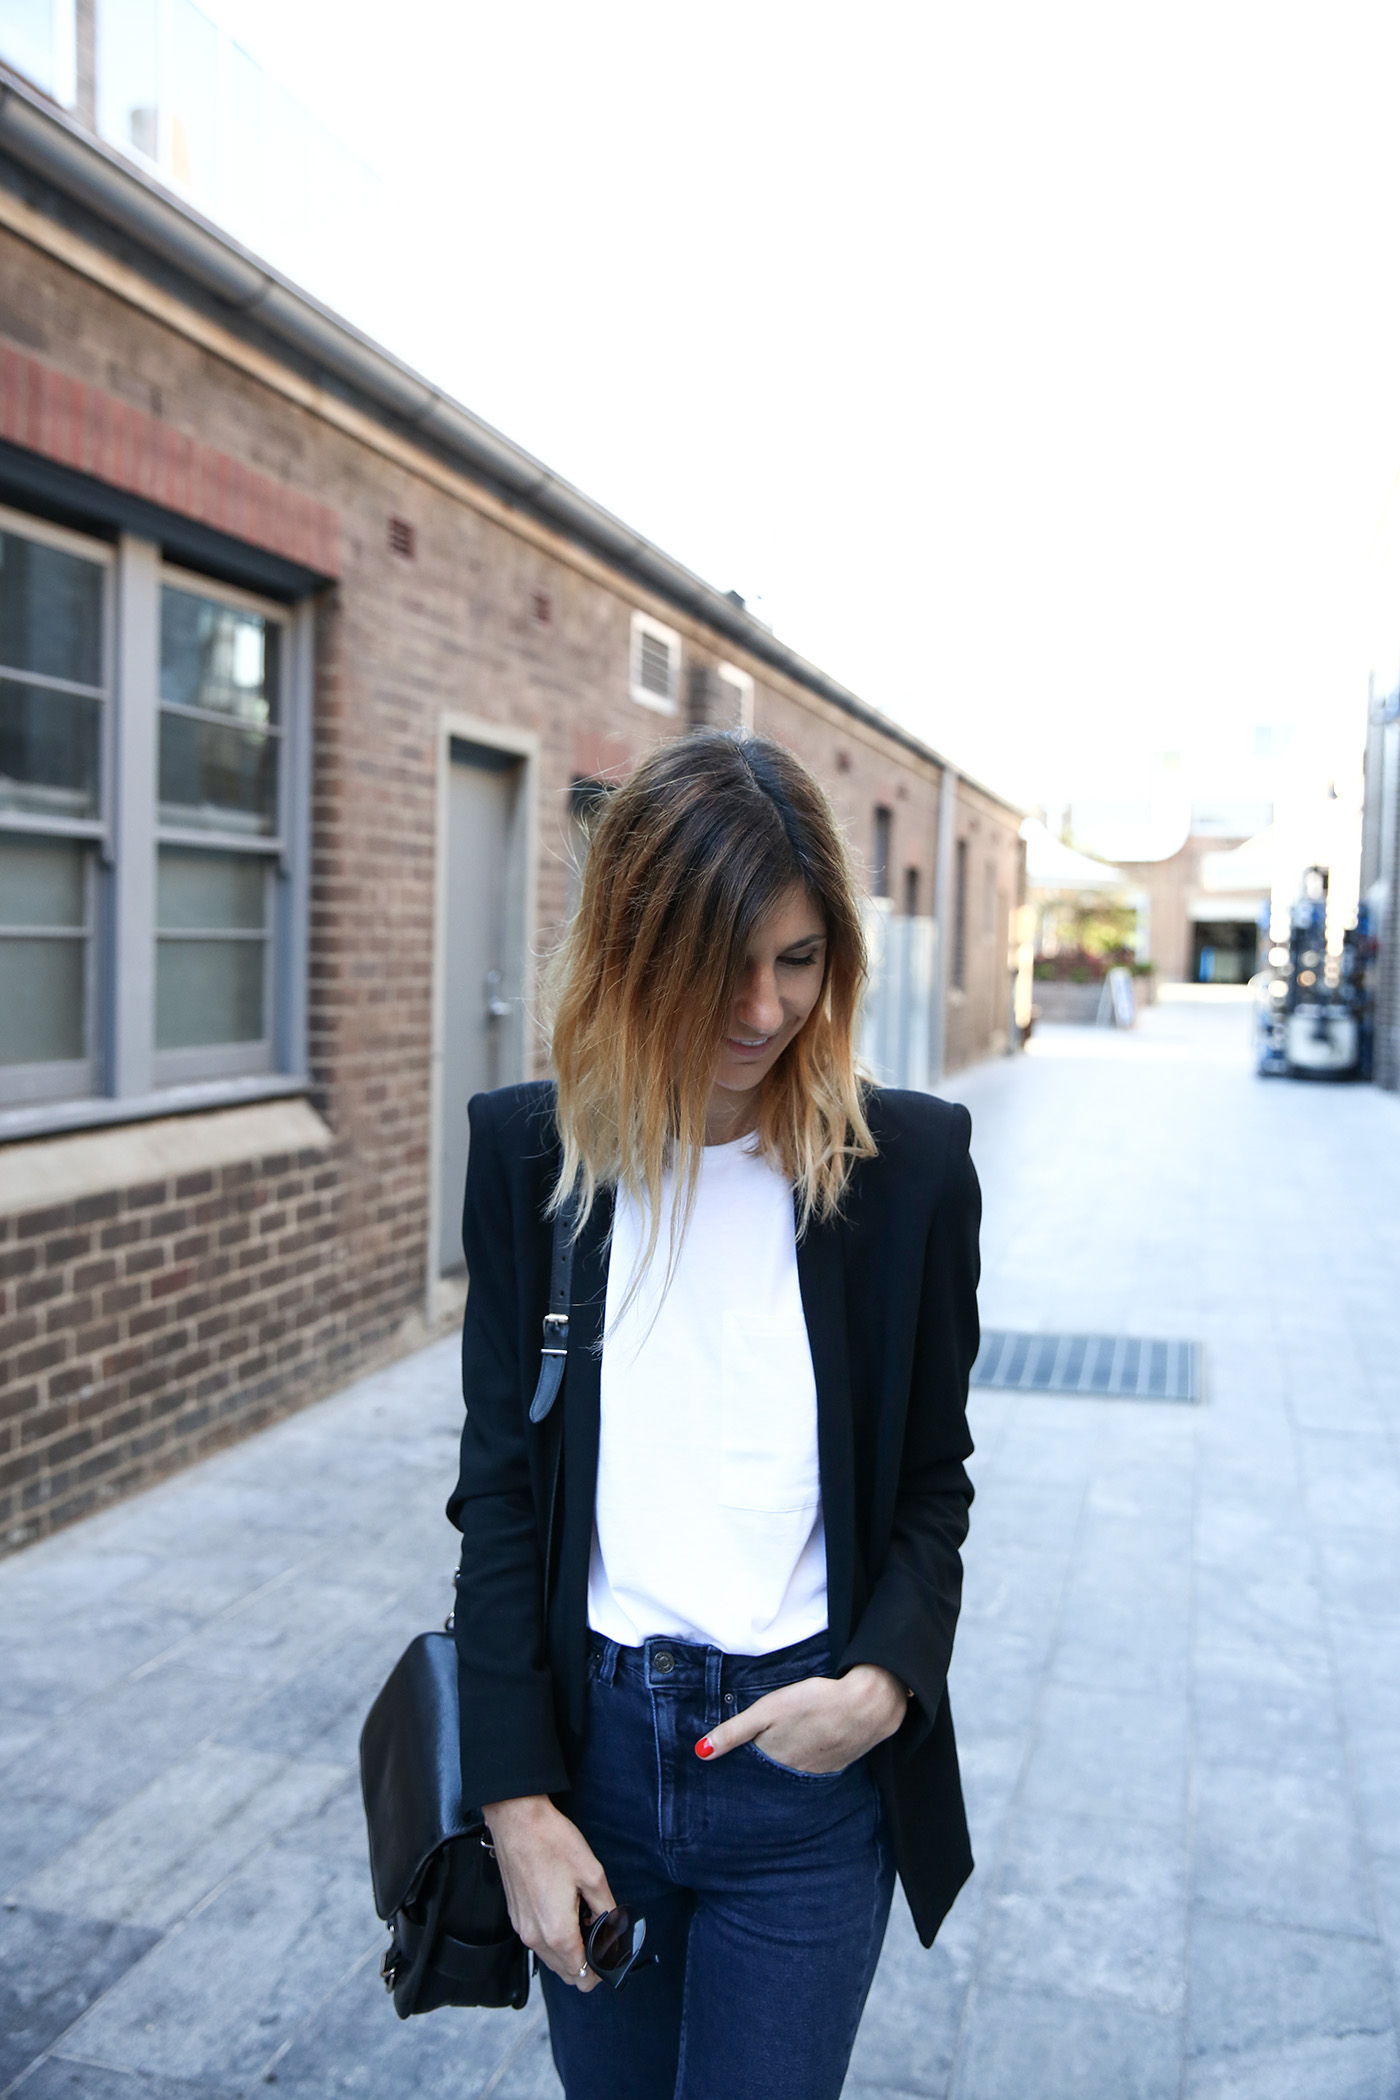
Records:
x=208, y=992
x=27, y=41
x=49, y=744
x=209, y=891
x=41, y=1001
x=50, y=611
x=41, y=883
x=127, y=74
x=194, y=99
x=215, y=778
x=214, y=656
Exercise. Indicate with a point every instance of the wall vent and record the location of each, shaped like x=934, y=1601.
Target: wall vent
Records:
x=402, y=538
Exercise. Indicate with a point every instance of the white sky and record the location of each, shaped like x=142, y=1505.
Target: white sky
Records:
x=1038, y=367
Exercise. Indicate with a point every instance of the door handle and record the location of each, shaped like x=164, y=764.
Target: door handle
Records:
x=497, y=1008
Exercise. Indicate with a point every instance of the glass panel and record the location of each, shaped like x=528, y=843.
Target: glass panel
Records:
x=208, y=992
x=49, y=745
x=50, y=611
x=215, y=656
x=217, y=779
x=27, y=40
x=209, y=891
x=127, y=94
x=41, y=1001
x=194, y=105
x=41, y=883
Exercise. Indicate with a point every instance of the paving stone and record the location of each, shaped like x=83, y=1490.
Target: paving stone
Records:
x=216, y=1998
x=357, y=2048
x=530, y=2073
x=107, y=1748
x=1088, y=1907
x=49, y=1670
x=58, y=2079
x=51, y=1969
x=1277, y=1846
x=1026, y=2045
x=1277, y=2014
x=156, y=1857
x=1117, y=1754
x=35, y=1829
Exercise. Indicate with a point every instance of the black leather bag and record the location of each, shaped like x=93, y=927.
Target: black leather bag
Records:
x=436, y=1883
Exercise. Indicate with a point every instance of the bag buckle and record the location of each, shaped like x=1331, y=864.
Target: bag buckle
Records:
x=557, y=1342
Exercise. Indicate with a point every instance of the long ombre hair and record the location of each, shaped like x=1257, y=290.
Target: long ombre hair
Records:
x=699, y=845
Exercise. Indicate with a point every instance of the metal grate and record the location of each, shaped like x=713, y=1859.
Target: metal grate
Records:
x=1109, y=1366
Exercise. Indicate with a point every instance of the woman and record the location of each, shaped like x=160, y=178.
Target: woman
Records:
x=730, y=1714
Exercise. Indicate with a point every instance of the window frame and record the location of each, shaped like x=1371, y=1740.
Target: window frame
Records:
x=60, y=1079
x=123, y=1076
x=644, y=624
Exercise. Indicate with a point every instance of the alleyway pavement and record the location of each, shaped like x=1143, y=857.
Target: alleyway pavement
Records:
x=1177, y=1684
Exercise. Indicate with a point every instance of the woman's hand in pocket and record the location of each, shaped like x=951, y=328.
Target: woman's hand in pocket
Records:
x=546, y=1864
x=820, y=1724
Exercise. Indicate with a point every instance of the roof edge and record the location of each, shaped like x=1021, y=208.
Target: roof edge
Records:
x=48, y=142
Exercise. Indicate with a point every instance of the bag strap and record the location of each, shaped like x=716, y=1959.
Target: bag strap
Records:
x=555, y=1345
x=554, y=1351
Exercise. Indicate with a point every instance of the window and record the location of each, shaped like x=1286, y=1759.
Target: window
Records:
x=959, y=971
x=911, y=893
x=152, y=885
x=880, y=859
x=736, y=687
x=656, y=663
x=54, y=737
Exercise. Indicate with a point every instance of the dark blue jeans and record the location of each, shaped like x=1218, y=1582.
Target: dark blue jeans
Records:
x=766, y=1891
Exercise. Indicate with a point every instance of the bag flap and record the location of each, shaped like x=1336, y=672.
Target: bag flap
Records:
x=410, y=1770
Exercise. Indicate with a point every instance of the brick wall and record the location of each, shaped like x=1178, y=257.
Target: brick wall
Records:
x=143, y=1327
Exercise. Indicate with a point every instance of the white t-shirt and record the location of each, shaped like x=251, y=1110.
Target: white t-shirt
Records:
x=708, y=1516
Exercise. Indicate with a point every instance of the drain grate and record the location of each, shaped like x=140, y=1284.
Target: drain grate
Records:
x=1109, y=1366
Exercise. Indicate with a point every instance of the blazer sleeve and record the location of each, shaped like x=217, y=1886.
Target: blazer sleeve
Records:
x=908, y=1625
x=510, y=1740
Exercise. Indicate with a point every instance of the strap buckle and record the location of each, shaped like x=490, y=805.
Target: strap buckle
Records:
x=556, y=1343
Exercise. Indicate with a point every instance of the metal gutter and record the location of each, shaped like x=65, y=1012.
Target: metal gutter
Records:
x=46, y=141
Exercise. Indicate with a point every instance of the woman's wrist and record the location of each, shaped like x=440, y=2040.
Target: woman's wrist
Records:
x=518, y=1811
x=878, y=1698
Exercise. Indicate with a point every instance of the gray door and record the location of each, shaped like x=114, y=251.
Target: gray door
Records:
x=483, y=1034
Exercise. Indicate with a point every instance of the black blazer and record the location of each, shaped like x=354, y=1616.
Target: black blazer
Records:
x=889, y=1292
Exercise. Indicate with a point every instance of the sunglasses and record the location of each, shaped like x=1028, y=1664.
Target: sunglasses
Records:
x=612, y=1943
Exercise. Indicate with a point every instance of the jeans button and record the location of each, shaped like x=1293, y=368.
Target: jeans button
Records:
x=663, y=1662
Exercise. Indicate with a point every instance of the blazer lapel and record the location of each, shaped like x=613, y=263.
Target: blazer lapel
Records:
x=822, y=1279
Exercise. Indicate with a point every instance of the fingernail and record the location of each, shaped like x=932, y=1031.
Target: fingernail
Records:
x=704, y=1748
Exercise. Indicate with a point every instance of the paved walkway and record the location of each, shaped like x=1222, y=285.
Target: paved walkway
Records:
x=1177, y=1682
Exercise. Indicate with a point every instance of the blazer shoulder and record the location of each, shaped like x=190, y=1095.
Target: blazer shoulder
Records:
x=520, y=1118
x=922, y=1124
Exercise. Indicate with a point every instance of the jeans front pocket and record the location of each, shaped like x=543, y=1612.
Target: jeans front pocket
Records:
x=792, y=1771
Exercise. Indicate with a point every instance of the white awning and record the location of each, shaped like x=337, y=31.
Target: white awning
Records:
x=1052, y=865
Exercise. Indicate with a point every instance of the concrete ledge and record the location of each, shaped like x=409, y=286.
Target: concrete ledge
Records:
x=46, y=1171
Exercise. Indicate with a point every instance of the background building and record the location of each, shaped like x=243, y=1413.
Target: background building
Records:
x=308, y=683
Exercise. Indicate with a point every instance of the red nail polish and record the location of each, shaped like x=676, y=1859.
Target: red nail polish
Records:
x=704, y=1748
